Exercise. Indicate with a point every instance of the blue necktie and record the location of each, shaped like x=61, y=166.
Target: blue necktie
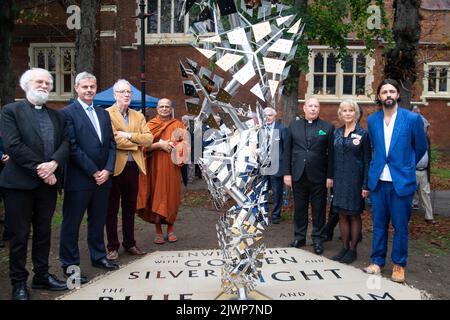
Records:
x=92, y=118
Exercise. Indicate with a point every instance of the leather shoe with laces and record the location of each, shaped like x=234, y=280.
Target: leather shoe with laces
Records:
x=318, y=248
x=48, y=282
x=20, y=291
x=298, y=243
x=135, y=251
x=83, y=278
x=105, y=264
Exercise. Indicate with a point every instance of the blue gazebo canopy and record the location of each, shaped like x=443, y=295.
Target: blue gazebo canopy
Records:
x=106, y=99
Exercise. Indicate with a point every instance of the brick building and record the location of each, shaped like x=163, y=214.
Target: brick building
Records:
x=50, y=44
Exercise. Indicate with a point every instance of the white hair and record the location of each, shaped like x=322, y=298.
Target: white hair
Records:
x=271, y=110
x=119, y=82
x=29, y=75
x=351, y=103
x=82, y=76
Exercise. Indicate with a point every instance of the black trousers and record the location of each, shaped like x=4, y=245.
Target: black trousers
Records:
x=25, y=208
x=306, y=192
x=276, y=184
x=124, y=191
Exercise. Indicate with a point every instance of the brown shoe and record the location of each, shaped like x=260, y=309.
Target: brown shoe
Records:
x=398, y=274
x=135, y=251
x=112, y=255
x=372, y=269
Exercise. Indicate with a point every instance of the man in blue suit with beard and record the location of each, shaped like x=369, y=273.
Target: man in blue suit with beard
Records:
x=398, y=143
x=87, y=177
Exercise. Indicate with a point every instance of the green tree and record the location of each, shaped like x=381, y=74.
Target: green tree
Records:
x=330, y=22
x=33, y=12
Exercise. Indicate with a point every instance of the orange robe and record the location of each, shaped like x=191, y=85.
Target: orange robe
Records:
x=159, y=190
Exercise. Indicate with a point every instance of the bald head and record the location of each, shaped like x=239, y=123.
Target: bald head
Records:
x=164, y=108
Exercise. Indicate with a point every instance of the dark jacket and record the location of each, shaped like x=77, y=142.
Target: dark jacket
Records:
x=351, y=165
x=317, y=161
x=23, y=143
x=278, y=138
x=87, y=153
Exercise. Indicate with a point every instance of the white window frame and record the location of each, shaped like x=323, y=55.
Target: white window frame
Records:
x=163, y=38
x=58, y=81
x=440, y=94
x=368, y=97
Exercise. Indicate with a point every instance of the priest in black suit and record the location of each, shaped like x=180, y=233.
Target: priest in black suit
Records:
x=309, y=171
x=34, y=138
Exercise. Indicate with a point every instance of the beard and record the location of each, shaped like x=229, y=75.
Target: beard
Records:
x=389, y=103
x=37, y=97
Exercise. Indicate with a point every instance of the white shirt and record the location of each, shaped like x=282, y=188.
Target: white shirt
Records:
x=85, y=108
x=388, y=129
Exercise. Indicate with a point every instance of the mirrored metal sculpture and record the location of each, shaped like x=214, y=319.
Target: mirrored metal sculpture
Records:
x=237, y=154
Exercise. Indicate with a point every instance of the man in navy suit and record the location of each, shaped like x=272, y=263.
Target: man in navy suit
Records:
x=276, y=132
x=87, y=177
x=398, y=143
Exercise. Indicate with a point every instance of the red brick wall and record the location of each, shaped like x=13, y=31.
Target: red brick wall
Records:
x=118, y=58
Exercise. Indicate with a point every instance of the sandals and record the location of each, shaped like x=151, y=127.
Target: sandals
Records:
x=159, y=239
x=171, y=237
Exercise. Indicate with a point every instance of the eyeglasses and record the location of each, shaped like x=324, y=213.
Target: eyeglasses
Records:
x=124, y=91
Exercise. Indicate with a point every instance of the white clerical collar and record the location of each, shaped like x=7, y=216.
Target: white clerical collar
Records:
x=38, y=107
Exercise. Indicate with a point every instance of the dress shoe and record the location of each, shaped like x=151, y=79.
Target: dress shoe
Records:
x=318, y=248
x=135, y=251
x=48, y=282
x=430, y=221
x=81, y=277
x=298, y=243
x=105, y=264
x=20, y=291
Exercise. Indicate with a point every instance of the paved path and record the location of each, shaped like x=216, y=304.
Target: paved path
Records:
x=440, y=200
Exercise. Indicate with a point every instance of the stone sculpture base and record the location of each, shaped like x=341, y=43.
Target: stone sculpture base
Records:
x=288, y=273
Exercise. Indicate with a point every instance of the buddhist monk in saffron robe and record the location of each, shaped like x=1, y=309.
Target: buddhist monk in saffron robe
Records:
x=159, y=190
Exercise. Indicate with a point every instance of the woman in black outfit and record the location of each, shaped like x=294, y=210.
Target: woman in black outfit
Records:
x=352, y=155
